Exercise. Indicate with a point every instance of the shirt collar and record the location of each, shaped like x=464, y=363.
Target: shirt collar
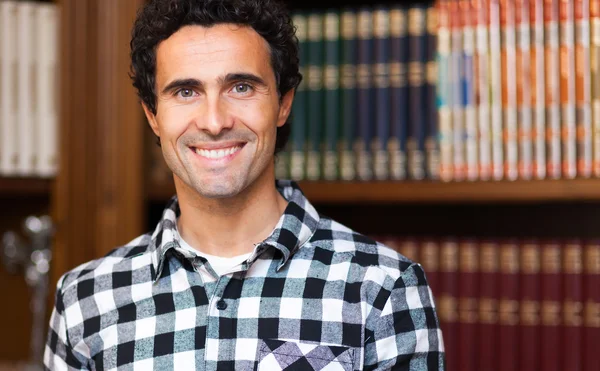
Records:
x=295, y=227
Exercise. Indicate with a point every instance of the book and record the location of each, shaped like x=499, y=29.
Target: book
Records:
x=444, y=92
x=448, y=300
x=487, y=348
x=591, y=316
x=573, y=304
x=429, y=257
x=496, y=91
x=332, y=103
x=432, y=148
x=399, y=93
x=595, y=78
x=314, y=72
x=456, y=92
x=300, y=105
x=567, y=89
x=524, y=86
x=508, y=305
x=583, y=94
x=383, y=99
x=509, y=88
x=348, y=94
x=551, y=306
x=482, y=88
x=553, y=89
x=538, y=87
x=468, y=304
x=8, y=111
x=365, y=93
x=529, y=314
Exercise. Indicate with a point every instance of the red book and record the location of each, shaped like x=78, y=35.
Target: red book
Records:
x=409, y=247
x=567, y=89
x=468, y=304
x=429, y=255
x=572, y=304
x=508, y=329
x=448, y=304
x=591, y=320
x=552, y=92
x=488, y=306
x=530, y=306
x=551, y=312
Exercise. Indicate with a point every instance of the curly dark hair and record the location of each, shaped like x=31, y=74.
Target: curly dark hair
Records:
x=159, y=19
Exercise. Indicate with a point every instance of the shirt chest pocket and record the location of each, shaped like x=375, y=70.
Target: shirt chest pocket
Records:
x=276, y=355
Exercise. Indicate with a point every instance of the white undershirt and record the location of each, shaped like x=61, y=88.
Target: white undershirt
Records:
x=220, y=264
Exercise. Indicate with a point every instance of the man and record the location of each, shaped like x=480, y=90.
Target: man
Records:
x=241, y=273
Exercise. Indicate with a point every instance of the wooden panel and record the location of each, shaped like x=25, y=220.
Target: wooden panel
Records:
x=25, y=186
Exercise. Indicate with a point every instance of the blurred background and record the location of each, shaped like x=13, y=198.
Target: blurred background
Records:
x=463, y=133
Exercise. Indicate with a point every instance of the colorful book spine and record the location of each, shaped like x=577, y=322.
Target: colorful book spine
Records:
x=315, y=95
x=529, y=315
x=551, y=307
x=348, y=95
x=456, y=95
x=365, y=105
x=432, y=148
x=595, y=76
x=538, y=87
x=383, y=99
x=468, y=304
x=444, y=92
x=583, y=88
x=448, y=302
x=552, y=93
x=8, y=111
x=487, y=347
x=524, y=85
x=509, y=89
x=468, y=81
x=567, y=89
x=300, y=108
x=591, y=316
x=496, y=90
x=573, y=305
x=482, y=89
x=508, y=308
x=399, y=93
x=331, y=74
x=416, y=87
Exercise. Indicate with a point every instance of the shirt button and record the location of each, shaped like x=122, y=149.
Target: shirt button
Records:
x=221, y=305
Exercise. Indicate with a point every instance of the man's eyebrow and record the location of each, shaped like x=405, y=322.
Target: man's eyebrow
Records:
x=232, y=77
x=182, y=83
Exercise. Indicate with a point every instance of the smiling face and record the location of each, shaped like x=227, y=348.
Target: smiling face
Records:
x=217, y=108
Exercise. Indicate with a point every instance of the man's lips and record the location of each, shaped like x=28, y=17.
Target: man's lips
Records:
x=216, y=152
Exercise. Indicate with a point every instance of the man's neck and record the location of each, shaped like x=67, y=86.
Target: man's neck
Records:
x=232, y=226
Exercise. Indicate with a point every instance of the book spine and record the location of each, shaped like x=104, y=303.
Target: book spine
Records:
x=448, y=302
x=595, y=82
x=508, y=331
x=552, y=93
x=330, y=159
x=538, y=87
x=444, y=92
x=567, y=89
x=432, y=148
x=488, y=306
x=551, y=307
x=416, y=96
x=348, y=94
x=482, y=89
x=26, y=106
x=468, y=82
x=315, y=95
x=509, y=88
x=524, y=85
x=583, y=88
x=595, y=78
x=399, y=93
x=591, y=317
x=300, y=105
x=530, y=257
x=573, y=304
x=468, y=304
x=8, y=110
x=496, y=90
x=365, y=106
x=429, y=257
x=383, y=100
x=456, y=92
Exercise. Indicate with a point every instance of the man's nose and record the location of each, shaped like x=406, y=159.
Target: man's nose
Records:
x=214, y=117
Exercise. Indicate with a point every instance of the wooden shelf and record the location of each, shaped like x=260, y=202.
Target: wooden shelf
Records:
x=25, y=186
x=437, y=192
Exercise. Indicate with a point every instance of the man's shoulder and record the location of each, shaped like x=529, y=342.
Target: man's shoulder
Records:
x=133, y=255
x=365, y=251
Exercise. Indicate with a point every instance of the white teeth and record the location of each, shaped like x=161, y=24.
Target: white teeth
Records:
x=217, y=153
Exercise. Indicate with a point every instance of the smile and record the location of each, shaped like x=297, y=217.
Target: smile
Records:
x=217, y=153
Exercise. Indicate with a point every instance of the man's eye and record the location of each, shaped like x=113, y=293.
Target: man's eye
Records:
x=186, y=93
x=242, y=88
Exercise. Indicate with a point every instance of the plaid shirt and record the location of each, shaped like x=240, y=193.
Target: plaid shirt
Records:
x=313, y=295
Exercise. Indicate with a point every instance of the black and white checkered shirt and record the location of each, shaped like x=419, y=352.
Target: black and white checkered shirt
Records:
x=313, y=296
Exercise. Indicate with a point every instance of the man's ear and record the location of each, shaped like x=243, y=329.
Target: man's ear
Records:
x=285, y=107
x=151, y=117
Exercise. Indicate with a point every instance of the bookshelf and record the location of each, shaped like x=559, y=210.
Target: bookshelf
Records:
x=25, y=186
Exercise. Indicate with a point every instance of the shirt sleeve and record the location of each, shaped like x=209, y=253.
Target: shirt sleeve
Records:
x=406, y=333
x=58, y=354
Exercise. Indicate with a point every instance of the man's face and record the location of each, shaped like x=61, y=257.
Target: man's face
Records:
x=218, y=108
